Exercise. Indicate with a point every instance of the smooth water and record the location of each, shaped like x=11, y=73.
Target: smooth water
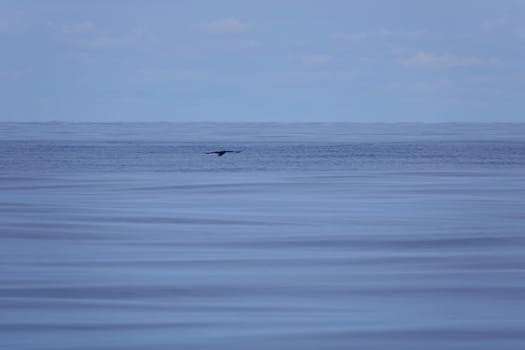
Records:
x=316, y=236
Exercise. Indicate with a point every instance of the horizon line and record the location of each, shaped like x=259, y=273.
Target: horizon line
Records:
x=257, y=122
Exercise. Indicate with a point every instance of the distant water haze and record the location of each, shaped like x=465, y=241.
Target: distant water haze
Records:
x=316, y=236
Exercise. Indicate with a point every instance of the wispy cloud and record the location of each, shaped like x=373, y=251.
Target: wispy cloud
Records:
x=224, y=26
x=234, y=43
x=107, y=41
x=86, y=34
x=156, y=75
x=400, y=33
x=85, y=37
x=419, y=86
x=14, y=74
x=358, y=36
x=316, y=59
x=4, y=25
x=424, y=59
x=493, y=24
x=318, y=74
x=353, y=36
x=78, y=28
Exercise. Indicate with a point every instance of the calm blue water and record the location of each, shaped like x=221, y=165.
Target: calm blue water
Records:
x=316, y=236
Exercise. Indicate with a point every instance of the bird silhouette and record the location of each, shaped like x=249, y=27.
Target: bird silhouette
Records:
x=221, y=153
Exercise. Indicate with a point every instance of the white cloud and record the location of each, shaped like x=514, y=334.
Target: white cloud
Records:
x=357, y=36
x=399, y=33
x=316, y=59
x=97, y=40
x=4, y=25
x=225, y=26
x=493, y=24
x=78, y=28
x=353, y=36
x=423, y=59
x=234, y=44
x=430, y=86
x=522, y=32
x=154, y=75
x=13, y=74
x=318, y=74
x=131, y=39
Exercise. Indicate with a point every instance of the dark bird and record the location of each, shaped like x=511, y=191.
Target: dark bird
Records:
x=221, y=153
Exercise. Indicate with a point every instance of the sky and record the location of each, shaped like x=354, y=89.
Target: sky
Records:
x=254, y=60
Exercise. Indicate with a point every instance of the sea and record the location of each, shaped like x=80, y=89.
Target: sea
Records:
x=316, y=236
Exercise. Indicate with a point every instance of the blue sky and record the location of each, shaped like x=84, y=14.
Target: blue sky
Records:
x=287, y=60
